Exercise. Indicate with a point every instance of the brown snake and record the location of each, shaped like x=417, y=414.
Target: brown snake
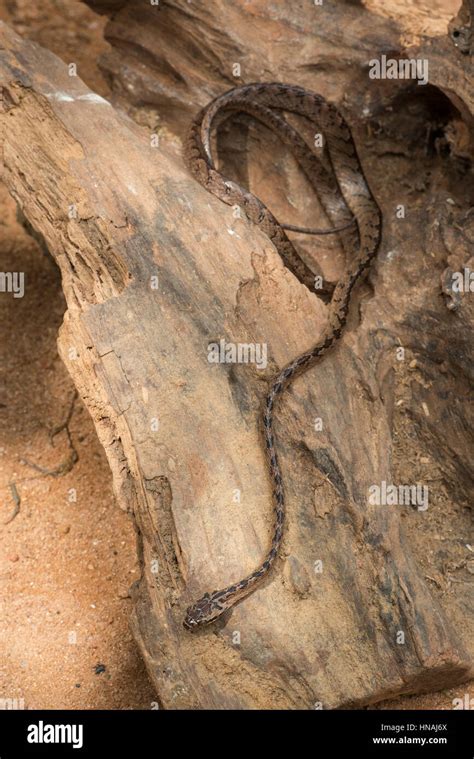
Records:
x=339, y=181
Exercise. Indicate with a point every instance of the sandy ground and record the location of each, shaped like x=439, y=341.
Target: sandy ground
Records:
x=67, y=557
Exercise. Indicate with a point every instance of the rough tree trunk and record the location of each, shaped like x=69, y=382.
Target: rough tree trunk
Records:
x=154, y=269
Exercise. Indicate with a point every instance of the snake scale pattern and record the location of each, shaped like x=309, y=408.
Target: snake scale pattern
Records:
x=338, y=179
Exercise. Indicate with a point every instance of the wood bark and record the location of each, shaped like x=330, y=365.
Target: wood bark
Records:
x=154, y=269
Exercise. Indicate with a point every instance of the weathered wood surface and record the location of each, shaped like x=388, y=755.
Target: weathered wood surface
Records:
x=139, y=354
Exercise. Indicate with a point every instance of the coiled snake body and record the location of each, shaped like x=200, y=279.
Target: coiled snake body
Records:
x=339, y=181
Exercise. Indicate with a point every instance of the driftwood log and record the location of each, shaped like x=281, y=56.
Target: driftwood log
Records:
x=154, y=269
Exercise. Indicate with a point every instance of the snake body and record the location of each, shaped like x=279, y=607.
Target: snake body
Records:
x=339, y=181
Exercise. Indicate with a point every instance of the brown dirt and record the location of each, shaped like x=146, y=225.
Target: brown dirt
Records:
x=68, y=558
x=66, y=565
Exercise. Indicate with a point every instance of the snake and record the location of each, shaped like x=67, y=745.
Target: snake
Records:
x=338, y=179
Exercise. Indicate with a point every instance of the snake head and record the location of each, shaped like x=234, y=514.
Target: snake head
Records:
x=203, y=612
